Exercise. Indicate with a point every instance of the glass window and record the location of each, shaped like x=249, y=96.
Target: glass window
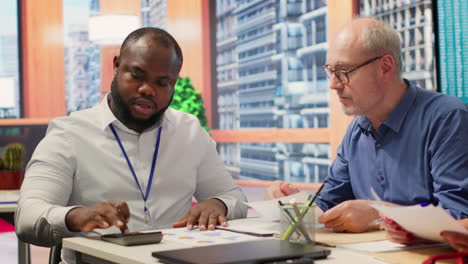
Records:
x=82, y=56
x=408, y=19
x=9, y=61
x=279, y=85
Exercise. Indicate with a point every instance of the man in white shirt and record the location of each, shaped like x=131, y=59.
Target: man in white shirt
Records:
x=129, y=163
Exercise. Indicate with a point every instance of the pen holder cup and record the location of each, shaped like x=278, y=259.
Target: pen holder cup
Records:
x=297, y=223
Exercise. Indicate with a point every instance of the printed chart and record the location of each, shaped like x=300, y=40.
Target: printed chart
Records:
x=196, y=237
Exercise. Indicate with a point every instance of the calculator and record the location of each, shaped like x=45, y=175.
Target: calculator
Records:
x=134, y=238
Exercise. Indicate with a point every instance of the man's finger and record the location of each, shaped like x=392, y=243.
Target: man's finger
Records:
x=99, y=221
x=212, y=221
x=274, y=191
x=192, y=217
x=330, y=215
x=181, y=223
x=289, y=189
x=222, y=220
x=202, y=220
x=123, y=210
x=334, y=223
x=339, y=228
x=121, y=222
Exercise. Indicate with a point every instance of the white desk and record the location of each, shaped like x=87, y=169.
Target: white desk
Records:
x=96, y=251
x=24, y=255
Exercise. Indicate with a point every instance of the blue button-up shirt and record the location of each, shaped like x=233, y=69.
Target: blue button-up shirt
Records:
x=420, y=154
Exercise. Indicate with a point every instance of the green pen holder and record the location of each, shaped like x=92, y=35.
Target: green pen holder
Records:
x=297, y=223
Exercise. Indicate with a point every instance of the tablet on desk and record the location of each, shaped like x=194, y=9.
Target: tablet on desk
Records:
x=260, y=251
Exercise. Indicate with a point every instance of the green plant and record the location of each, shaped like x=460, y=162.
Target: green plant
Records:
x=188, y=99
x=13, y=157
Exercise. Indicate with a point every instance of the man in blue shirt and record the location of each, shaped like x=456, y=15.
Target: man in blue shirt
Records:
x=410, y=145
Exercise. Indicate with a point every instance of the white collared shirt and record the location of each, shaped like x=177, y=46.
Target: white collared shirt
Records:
x=79, y=163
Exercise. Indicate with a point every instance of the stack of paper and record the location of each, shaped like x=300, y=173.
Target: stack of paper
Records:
x=387, y=246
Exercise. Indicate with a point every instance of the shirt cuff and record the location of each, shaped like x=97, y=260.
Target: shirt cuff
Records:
x=57, y=221
x=235, y=208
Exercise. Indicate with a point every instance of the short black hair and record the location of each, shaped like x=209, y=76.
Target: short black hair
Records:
x=157, y=35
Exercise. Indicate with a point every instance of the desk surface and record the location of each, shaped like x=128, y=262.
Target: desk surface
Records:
x=142, y=254
x=8, y=196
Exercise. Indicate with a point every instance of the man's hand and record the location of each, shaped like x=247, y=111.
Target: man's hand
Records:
x=101, y=215
x=353, y=216
x=207, y=213
x=280, y=189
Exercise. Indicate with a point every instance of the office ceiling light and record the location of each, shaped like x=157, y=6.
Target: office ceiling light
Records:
x=112, y=29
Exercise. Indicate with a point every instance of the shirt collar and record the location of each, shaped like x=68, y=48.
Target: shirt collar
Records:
x=108, y=117
x=398, y=115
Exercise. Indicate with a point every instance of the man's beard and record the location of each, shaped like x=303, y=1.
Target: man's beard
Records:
x=124, y=114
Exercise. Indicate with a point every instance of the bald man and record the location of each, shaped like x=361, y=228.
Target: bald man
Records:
x=407, y=143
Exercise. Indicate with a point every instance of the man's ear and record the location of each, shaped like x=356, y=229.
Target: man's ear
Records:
x=388, y=66
x=116, y=63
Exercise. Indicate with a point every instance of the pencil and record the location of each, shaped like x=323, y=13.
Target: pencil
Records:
x=304, y=211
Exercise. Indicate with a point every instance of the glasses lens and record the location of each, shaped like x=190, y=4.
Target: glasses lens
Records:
x=342, y=76
x=327, y=71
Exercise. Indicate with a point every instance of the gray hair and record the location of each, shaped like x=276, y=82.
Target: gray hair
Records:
x=379, y=38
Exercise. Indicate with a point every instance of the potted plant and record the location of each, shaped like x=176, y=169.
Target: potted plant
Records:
x=11, y=166
x=188, y=99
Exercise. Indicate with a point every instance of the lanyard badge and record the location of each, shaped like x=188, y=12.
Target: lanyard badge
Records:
x=153, y=166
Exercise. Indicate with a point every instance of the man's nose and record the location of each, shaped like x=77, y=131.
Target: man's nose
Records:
x=146, y=89
x=334, y=83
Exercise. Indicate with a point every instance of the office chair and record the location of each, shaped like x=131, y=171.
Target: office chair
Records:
x=54, y=255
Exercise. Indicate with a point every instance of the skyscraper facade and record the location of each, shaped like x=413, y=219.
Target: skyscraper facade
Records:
x=269, y=58
x=412, y=19
x=154, y=13
x=9, y=76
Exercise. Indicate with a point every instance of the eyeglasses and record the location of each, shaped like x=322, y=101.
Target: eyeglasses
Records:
x=342, y=75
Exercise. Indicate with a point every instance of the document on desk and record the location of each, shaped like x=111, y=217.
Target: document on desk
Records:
x=269, y=209
x=387, y=246
x=330, y=238
x=198, y=238
x=253, y=226
x=423, y=221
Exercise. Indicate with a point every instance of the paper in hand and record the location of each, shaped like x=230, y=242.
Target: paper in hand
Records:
x=425, y=222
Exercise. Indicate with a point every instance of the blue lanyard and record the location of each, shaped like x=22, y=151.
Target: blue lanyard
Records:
x=153, y=164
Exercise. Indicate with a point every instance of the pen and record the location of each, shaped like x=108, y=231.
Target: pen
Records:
x=303, y=213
